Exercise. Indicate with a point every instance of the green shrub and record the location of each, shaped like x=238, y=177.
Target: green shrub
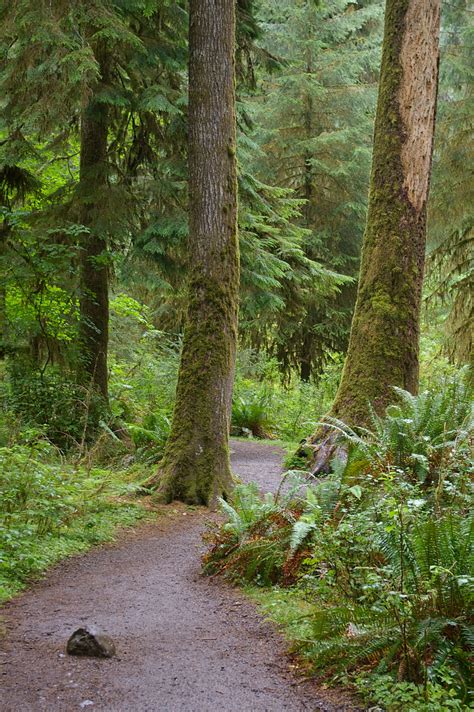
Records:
x=150, y=437
x=266, y=406
x=54, y=404
x=49, y=510
x=411, y=612
x=382, y=551
x=251, y=413
x=253, y=543
x=423, y=435
x=143, y=363
x=398, y=696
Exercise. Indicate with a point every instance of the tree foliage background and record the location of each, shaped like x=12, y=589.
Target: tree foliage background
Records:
x=307, y=76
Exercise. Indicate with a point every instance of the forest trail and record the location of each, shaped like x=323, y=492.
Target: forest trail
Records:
x=185, y=643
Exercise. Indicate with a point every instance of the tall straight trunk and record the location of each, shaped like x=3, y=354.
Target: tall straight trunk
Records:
x=4, y=232
x=94, y=287
x=305, y=369
x=305, y=355
x=196, y=465
x=384, y=340
x=3, y=323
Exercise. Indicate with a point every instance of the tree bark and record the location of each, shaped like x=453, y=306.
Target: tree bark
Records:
x=94, y=282
x=384, y=341
x=305, y=370
x=4, y=232
x=196, y=465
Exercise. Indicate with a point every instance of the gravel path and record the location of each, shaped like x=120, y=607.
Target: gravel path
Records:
x=185, y=643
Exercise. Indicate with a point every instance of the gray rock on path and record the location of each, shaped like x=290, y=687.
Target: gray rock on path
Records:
x=92, y=645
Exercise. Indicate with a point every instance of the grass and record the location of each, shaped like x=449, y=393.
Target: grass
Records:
x=51, y=510
x=288, y=445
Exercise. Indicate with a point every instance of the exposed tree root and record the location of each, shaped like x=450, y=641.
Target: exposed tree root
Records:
x=322, y=448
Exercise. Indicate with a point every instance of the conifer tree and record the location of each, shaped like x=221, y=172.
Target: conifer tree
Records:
x=93, y=74
x=383, y=347
x=451, y=205
x=314, y=124
x=196, y=465
x=92, y=189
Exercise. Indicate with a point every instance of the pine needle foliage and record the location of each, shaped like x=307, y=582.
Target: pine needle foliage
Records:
x=313, y=117
x=49, y=69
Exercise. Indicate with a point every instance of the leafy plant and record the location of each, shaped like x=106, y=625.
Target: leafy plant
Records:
x=380, y=554
x=252, y=545
x=396, y=696
x=247, y=509
x=419, y=434
x=251, y=413
x=150, y=437
x=53, y=402
x=50, y=510
x=418, y=617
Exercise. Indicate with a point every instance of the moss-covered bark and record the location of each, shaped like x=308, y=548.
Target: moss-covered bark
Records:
x=4, y=231
x=94, y=297
x=196, y=466
x=383, y=347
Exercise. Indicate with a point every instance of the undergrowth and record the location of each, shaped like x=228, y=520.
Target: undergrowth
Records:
x=371, y=570
x=52, y=509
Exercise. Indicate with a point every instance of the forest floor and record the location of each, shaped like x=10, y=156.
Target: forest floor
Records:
x=185, y=643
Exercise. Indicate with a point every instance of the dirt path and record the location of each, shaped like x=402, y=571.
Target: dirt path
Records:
x=185, y=643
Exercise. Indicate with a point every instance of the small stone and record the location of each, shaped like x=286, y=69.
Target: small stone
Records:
x=92, y=645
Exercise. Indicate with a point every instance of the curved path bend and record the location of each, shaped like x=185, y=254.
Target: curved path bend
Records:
x=185, y=643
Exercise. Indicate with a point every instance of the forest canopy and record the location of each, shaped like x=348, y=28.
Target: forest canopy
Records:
x=249, y=219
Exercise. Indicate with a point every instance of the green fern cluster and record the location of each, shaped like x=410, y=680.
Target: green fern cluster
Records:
x=422, y=434
x=421, y=621
x=251, y=412
x=253, y=544
x=382, y=550
x=150, y=437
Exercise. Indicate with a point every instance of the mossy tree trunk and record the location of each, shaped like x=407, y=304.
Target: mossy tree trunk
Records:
x=94, y=281
x=4, y=232
x=306, y=348
x=384, y=340
x=3, y=323
x=196, y=465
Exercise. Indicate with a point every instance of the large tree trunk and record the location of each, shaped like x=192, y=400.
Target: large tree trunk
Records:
x=94, y=287
x=196, y=466
x=4, y=232
x=384, y=340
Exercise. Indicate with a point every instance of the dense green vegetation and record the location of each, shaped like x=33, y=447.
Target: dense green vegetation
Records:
x=52, y=509
x=106, y=269
x=370, y=571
